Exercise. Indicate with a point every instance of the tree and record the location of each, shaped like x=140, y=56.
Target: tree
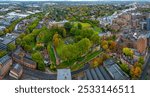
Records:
x=135, y=72
x=125, y=68
x=18, y=41
x=95, y=39
x=68, y=26
x=2, y=33
x=64, y=33
x=11, y=47
x=112, y=45
x=38, y=58
x=84, y=45
x=87, y=33
x=28, y=48
x=53, y=67
x=79, y=26
x=105, y=47
x=128, y=52
x=138, y=64
x=96, y=62
x=104, y=42
x=2, y=53
x=56, y=39
x=141, y=60
x=105, y=56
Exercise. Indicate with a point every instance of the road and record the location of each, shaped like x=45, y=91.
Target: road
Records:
x=45, y=76
x=39, y=74
x=147, y=64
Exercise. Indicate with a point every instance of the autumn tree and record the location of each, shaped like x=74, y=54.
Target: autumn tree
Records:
x=96, y=62
x=135, y=72
x=112, y=45
x=128, y=52
x=56, y=39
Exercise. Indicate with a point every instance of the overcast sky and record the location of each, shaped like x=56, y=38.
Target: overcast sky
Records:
x=74, y=0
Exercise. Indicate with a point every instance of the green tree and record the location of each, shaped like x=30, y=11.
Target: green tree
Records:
x=11, y=47
x=2, y=33
x=125, y=68
x=38, y=58
x=68, y=26
x=128, y=52
x=95, y=39
x=2, y=53
x=141, y=60
x=79, y=26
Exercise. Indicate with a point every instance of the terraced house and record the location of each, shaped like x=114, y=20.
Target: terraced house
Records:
x=20, y=57
x=5, y=64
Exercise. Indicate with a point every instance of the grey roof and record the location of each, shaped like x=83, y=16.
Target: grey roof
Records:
x=4, y=59
x=63, y=74
x=115, y=71
x=108, y=71
x=8, y=38
x=98, y=73
x=17, y=68
x=105, y=73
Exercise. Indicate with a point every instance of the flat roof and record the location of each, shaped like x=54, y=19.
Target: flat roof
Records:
x=6, y=39
x=63, y=74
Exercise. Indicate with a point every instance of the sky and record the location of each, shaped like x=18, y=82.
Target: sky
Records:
x=74, y=0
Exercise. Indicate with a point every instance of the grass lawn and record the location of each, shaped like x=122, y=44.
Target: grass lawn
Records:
x=59, y=48
x=90, y=56
x=97, y=29
x=66, y=64
x=76, y=67
x=84, y=25
x=51, y=53
x=80, y=61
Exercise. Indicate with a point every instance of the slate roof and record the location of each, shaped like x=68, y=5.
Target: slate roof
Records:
x=108, y=71
x=4, y=59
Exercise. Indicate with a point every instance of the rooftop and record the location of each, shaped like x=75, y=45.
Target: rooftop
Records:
x=63, y=74
x=8, y=38
x=108, y=71
x=114, y=70
x=4, y=59
x=17, y=68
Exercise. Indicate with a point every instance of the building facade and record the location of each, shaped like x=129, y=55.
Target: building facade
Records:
x=5, y=64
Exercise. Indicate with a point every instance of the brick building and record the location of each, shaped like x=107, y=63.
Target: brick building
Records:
x=141, y=44
x=20, y=57
x=5, y=64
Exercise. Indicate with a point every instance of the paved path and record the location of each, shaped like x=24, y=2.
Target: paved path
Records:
x=45, y=76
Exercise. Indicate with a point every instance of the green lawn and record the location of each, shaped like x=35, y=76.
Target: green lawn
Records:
x=66, y=64
x=90, y=56
x=97, y=29
x=80, y=61
x=52, y=54
x=59, y=48
x=76, y=67
x=84, y=25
